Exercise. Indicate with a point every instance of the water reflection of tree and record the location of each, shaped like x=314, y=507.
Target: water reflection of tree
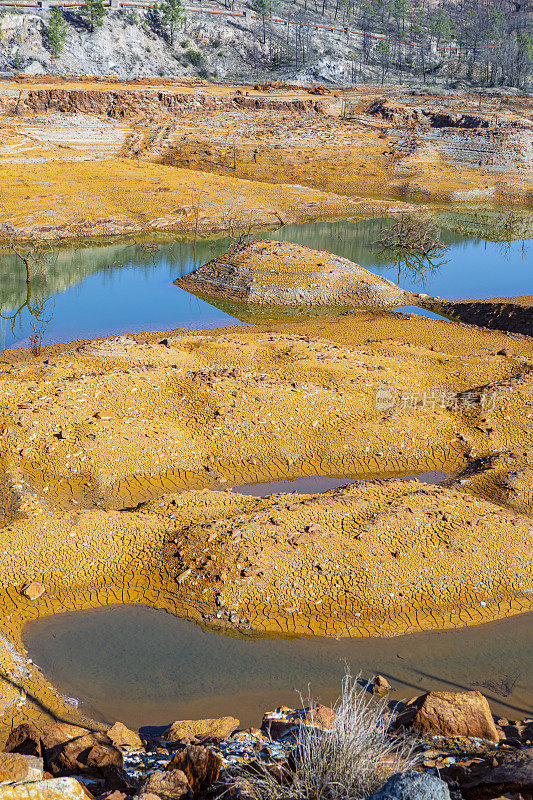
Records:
x=510, y=224
x=417, y=267
x=414, y=248
x=39, y=256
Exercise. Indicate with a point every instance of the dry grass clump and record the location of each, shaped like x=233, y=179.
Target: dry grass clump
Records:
x=351, y=760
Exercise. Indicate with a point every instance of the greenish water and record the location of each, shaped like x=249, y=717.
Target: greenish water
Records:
x=88, y=292
x=146, y=667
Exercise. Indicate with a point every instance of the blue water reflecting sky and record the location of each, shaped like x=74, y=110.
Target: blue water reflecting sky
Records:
x=120, y=288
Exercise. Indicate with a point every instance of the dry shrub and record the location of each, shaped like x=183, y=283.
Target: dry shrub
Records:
x=36, y=340
x=349, y=761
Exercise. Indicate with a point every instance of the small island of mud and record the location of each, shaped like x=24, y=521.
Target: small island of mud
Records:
x=282, y=273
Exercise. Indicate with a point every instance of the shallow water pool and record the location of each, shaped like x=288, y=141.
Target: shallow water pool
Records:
x=313, y=484
x=146, y=667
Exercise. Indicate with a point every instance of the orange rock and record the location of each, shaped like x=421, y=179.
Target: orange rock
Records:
x=124, y=737
x=201, y=766
x=187, y=728
x=33, y=590
x=380, y=685
x=55, y=789
x=321, y=716
x=60, y=732
x=452, y=714
x=25, y=739
x=169, y=785
x=17, y=767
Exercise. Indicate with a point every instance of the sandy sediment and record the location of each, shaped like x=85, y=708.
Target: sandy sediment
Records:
x=118, y=456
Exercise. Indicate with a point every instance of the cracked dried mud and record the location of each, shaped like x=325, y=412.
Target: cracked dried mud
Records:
x=118, y=455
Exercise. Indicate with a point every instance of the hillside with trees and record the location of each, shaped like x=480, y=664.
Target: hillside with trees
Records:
x=448, y=43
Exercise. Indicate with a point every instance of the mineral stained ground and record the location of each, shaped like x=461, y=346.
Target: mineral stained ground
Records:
x=118, y=457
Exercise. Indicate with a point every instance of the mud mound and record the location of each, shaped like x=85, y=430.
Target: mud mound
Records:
x=283, y=273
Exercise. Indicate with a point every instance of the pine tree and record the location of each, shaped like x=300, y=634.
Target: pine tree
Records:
x=384, y=52
x=170, y=17
x=94, y=12
x=56, y=31
x=525, y=55
x=264, y=9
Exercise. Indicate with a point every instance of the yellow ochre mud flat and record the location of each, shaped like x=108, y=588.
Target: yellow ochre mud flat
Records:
x=118, y=456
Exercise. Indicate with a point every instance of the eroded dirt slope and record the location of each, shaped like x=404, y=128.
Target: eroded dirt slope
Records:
x=122, y=157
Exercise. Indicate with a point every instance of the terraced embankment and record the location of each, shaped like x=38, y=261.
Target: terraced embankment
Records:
x=117, y=158
x=120, y=453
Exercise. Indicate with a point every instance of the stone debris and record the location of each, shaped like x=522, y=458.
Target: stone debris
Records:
x=17, y=768
x=92, y=754
x=451, y=714
x=168, y=785
x=121, y=736
x=413, y=786
x=201, y=765
x=33, y=590
x=380, y=686
x=51, y=789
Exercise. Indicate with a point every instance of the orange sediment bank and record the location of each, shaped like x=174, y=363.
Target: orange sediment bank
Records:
x=117, y=456
x=117, y=158
x=513, y=314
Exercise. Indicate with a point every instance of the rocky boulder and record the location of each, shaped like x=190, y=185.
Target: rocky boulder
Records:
x=124, y=737
x=320, y=716
x=26, y=740
x=54, y=789
x=60, y=732
x=190, y=728
x=285, y=721
x=380, y=686
x=413, y=786
x=33, y=590
x=91, y=754
x=17, y=767
x=200, y=765
x=510, y=773
x=169, y=785
x=117, y=780
x=450, y=714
